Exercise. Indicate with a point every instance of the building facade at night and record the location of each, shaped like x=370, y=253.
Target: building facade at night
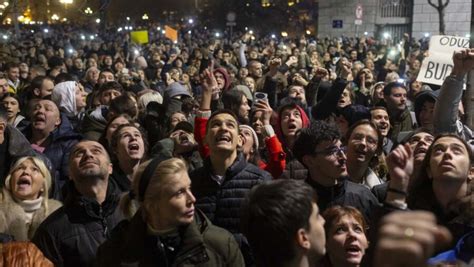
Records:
x=338, y=17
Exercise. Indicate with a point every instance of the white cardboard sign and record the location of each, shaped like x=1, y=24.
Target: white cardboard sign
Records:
x=439, y=63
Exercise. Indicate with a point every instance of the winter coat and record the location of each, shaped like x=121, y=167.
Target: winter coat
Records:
x=201, y=244
x=71, y=235
x=345, y=193
x=61, y=141
x=221, y=203
x=22, y=254
x=93, y=127
x=293, y=168
x=403, y=123
x=13, y=217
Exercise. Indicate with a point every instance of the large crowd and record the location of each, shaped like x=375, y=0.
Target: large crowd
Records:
x=219, y=151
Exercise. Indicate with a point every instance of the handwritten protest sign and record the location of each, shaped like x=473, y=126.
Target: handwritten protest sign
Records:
x=439, y=63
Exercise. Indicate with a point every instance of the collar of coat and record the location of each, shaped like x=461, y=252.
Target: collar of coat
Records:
x=239, y=164
x=83, y=208
x=192, y=248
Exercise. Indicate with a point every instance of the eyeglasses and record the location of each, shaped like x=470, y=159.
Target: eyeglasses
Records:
x=332, y=151
x=370, y=142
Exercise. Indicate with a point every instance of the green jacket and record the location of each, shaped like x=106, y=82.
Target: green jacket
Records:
x=403, y=123
x=202, y=244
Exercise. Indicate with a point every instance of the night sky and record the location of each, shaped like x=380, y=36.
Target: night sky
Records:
x=136, y=8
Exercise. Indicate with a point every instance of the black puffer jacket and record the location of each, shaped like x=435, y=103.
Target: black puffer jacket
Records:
x=71, y=235
x=345, y=193
x=221, y=203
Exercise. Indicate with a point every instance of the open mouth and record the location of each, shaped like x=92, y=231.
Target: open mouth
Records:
x=133, y=147
x=353, y=250
x=183, y=139
x=24, y=182
x=39, y=118
x=421, y=150
x=223, y=139
x=292, y=126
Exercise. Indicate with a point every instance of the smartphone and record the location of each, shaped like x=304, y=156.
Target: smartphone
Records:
x=260, y=96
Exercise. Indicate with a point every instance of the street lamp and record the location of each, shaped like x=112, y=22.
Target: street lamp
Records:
x=145, y=17
x=88, y=11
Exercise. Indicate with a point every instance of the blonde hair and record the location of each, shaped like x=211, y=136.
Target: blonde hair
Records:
x=129, y=203
x=39, y=163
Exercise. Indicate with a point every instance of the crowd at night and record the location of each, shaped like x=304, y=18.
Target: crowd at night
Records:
x=158, y=145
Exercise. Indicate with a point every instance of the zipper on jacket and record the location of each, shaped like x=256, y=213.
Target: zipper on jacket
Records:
x=103, y=221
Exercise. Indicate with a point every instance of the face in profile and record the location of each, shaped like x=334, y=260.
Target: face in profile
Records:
x=174, y=205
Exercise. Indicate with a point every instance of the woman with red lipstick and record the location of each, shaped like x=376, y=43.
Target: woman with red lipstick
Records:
x=167, y=230
x=345, y=237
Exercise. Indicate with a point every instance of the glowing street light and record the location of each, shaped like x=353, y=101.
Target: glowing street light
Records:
x=45, y=30
x=284, y=34
x=190, y=21
x=97, y=21
x=145, y=17
x=308, y=32
x=66, y=2
x=273, y=36
x=88, y=11
x=55, y=17
x=6, y=3
x=128, y=18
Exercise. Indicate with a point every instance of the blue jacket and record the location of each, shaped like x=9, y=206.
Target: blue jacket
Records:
x=463, y=251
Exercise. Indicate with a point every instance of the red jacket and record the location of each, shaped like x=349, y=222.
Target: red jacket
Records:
x=277, y=157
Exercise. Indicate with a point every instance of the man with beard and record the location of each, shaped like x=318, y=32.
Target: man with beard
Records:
x=71, y=235
x=395, y=95
x=379, y=116
x=320, y=150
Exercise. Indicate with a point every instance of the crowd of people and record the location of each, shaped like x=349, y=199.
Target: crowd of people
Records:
x=243, y=151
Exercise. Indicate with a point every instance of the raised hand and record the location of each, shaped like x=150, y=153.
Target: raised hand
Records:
x=267, y=111
x=400, y=167
x=409, y=238
x=463, y=61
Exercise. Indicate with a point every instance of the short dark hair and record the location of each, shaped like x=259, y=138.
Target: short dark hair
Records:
x=3, y=113
x=110, y=86
x=271, y=217
x=11, y=65
x=124, y=104
x=37, y=82
x=309, y=138
x=387, y=90
x=221, y=111
x=115, y=139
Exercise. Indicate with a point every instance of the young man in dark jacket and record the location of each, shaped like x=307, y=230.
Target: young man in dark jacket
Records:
x=221, y=185
x=71, y=235
x=319, y=148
